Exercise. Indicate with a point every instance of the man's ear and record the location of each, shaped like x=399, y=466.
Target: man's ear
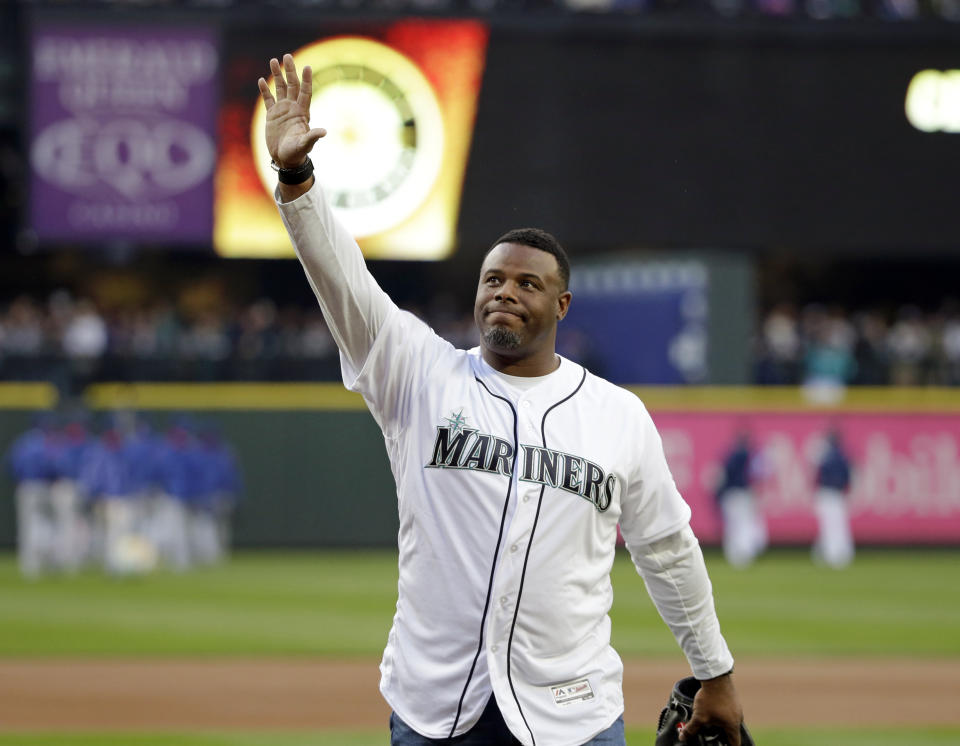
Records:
x=563, y=304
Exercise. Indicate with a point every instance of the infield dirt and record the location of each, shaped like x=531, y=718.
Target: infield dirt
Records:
x=275, y=694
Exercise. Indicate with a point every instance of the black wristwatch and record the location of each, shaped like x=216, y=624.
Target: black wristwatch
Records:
x=296, y=175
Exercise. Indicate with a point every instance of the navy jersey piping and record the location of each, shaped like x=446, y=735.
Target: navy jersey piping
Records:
x=496, y=553
x=526, y=558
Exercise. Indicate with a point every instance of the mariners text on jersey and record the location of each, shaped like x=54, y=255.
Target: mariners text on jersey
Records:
x=460, y=447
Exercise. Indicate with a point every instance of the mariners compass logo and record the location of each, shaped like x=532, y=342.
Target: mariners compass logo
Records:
x=457, y=421
x=458, y=445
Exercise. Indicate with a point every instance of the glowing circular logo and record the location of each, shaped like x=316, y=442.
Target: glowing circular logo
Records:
x=384, y=143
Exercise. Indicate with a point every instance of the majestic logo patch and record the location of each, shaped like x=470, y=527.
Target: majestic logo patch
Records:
x=458, y=446
x=572, y=691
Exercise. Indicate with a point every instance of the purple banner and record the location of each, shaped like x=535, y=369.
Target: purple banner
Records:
x=122, y=126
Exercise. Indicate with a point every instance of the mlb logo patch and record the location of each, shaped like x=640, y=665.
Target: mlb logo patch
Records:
x=572, y=691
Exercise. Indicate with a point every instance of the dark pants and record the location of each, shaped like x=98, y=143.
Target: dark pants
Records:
x=490, y=730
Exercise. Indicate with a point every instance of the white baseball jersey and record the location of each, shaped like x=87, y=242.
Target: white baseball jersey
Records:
x=509, y=494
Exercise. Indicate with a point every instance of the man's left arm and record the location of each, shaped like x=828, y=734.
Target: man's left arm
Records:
x=655, y=522
x=676, y=577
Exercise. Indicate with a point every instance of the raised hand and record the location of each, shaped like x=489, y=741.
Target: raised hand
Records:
x=288, y=134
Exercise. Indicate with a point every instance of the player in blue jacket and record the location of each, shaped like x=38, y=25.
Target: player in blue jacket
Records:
x=31, y=462
x=834, y=544
x=219, y=489
x=72, y=524
x=179, y=482
x=110, y=483
x=744, y=530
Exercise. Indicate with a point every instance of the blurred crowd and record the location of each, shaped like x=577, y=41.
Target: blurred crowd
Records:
x=72, y=343
x=128, y=499
x=820, y=344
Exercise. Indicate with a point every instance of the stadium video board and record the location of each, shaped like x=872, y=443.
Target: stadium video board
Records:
x=398, y=103
x=152, y=133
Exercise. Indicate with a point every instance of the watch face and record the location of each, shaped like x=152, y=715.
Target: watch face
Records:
x=385, y=139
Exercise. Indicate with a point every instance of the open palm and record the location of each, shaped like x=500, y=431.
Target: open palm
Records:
x=288, y=134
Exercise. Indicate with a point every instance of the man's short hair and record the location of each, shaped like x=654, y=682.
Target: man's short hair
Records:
x=538, y=239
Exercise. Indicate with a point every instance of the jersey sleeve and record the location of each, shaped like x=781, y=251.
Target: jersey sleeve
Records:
x=655, y=522
x=651, y=506
x=676, y=578
x=406, y=354
x=385, y=354
x=353, y=304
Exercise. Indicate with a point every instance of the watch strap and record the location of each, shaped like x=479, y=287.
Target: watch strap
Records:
x=296, y=175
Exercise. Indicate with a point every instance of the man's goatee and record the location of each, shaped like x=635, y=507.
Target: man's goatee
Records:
x=499, y=338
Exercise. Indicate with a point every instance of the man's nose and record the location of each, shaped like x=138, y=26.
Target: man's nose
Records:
x=506, y=291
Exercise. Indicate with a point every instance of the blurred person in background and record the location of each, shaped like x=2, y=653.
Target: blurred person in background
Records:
x=84, y=342
x=31, y=462
x=744, y=528
x=909, y=343
x=834, y=543
x=154, y=335
x=110, y=483
x=828, y=360
x=23, y=332
x=290, y=334
x=258, y=340
x=59, y=309
x=72, y=526
x=936, y=371
x=870, y=351
x=779, y=351
x=204, y=345
x=22, y=340
x=216, y=498
x=152, y=342
x=951, y=344
x=178, y=480
x=317, y=348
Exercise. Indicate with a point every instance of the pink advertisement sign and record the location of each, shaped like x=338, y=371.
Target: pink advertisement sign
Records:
x=906, y=471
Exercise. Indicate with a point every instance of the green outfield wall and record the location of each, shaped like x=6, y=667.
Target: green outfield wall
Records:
x=314, y=463
x=311, y=478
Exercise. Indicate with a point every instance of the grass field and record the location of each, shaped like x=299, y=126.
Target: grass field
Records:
x=889, y=603
x=340, y=604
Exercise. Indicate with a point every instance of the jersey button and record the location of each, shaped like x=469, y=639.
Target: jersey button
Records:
x=514, y=548
x=493, y=648
x=503, y=600
x=525, y=404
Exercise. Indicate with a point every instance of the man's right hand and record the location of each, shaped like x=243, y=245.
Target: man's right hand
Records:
x=288, y=134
